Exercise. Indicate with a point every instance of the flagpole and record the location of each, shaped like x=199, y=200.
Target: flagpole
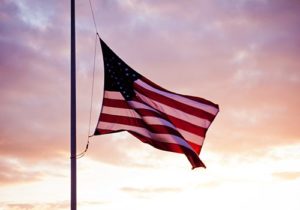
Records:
x=73, y=109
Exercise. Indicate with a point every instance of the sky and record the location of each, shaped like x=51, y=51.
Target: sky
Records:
x=240, y=54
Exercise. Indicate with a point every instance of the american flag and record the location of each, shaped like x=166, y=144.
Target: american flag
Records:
x=166, y=120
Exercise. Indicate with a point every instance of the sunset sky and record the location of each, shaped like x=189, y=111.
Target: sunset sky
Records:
x=240, y=54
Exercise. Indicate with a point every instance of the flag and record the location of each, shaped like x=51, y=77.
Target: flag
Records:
x=164, y=119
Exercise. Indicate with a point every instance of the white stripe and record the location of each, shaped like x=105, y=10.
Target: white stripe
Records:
x=139, y=105
x=174, y=112
x=198, y=105
x=167, y=138
x=153, y=121
x=120, y=112
x=113, y=95
x=191, y=137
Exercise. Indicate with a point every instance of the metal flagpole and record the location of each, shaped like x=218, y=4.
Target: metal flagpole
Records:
x=73, y=109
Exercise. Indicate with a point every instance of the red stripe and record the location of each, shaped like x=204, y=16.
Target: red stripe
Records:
x=184, y=125
x=105, y=131
x=201, y=100
x=198, y=99
x=197, y=148
x=174, y=103
x=191, y=155
x=122, y=120
x=138, y=123
x=179, y=123
x=116, y=103
x=192, y=128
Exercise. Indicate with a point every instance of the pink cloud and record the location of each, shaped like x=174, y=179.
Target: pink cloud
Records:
x=12, y=173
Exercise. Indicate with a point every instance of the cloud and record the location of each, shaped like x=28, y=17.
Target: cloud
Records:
x=13, y=172
x=33, y=77
x=147, y=192
x=35, y=206
x=20, y=206
x=59, y=205
x=287, y=175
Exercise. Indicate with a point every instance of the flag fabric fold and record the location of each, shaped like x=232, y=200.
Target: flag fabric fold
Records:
x=164, y=119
